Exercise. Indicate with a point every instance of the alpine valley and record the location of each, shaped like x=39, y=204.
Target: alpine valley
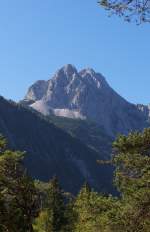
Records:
x=69, y=122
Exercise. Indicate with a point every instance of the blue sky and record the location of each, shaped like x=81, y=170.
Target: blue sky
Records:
x=38, y=37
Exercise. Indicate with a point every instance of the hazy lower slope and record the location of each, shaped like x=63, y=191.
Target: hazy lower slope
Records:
x=51, y=151
x=89, y=133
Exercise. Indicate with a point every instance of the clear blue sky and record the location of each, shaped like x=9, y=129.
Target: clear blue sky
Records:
x=39, y=36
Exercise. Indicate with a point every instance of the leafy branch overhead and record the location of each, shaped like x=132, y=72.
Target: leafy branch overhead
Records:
x=131, y=10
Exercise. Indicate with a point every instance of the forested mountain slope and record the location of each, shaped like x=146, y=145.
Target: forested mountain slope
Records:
x=88, y=132
x=51, y=151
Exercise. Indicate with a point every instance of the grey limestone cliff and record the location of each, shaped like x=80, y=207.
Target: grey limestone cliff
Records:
x=86, y=94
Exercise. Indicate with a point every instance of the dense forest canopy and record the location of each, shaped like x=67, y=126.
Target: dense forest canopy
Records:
x=28, y=205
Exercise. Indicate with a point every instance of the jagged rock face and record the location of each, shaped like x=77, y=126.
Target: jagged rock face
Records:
x=145, y=109
x=85, y=95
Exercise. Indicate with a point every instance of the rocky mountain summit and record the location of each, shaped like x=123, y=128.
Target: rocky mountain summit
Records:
x=86, y=94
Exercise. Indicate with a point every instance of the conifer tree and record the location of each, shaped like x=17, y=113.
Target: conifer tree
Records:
x=56, y=206
x=18, y=196
x=52, y=218
x=69, y=215
x=132, y=177
x=87, y=211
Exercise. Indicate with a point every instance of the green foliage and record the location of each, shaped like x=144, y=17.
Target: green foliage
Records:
x=94, y=212
x=132, y=177
x=87, y=211
x=2, y=143
x=41, y=223
x=55, y=206
x=21, y=199
x=132, y=162
x=18, y=196
x=52, y=218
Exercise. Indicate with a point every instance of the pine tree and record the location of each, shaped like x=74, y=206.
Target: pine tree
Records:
x=87, y=211
x=132, y=177
x=3, y=213
x=69, y=214
x=52, y=218
x=18, y=196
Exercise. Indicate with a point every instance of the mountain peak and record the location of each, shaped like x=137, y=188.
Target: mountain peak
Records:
x=89, y=72
x=69, y=69
x=85, y=95
x=86, y=71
